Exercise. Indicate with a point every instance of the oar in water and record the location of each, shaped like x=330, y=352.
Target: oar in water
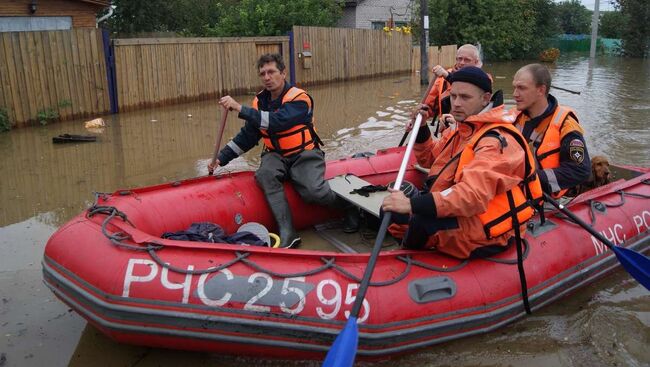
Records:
x=222, y=127
x=638, y=265
x=424, y=98
x=344, y=349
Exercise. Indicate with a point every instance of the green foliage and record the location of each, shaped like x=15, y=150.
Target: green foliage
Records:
x=47, y=115
x=5, y=123
x=611, y=24
x=506, y=29
x=275, y=17
x=574, y=17
x=185, y=17
x=195, y=18
x=636, y=28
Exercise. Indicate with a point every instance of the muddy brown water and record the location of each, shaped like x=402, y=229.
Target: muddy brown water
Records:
x=43, y=185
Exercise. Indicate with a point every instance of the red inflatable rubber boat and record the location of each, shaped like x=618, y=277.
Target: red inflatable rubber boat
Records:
x=112, y=267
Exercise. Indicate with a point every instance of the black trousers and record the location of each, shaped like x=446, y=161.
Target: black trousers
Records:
x=421, y=227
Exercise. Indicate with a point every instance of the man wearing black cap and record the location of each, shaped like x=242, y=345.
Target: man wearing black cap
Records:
x=475, y=171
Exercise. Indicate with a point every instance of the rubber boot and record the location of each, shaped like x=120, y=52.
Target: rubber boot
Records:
x=352, y=219
x=280, y=209
x=351, y=215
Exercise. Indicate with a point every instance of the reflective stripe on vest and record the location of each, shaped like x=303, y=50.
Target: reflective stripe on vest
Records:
x=548, y=152
x=497, y=219
x=296, y=139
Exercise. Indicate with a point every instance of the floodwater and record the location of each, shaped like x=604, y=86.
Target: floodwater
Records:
x=43, y=185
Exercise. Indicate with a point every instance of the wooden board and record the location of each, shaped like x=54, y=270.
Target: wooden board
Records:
x=344, y=184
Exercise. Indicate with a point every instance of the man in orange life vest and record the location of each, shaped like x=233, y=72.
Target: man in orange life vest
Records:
x=479, y=173
x=282, y=115
x=552, y=130
x=435, y=104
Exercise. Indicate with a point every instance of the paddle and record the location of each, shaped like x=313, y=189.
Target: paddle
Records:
x=638, y=265
x=224, y=116
x=564, y=89
x=424, y=98
x=344, y=349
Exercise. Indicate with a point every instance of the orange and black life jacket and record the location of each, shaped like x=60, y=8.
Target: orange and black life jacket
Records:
x=549, y=142
x=298, y=138
x=520, y=200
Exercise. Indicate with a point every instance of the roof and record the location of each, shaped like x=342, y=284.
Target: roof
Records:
x=104, y=3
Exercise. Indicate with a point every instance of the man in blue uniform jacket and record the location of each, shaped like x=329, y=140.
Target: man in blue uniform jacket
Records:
x=282, y=115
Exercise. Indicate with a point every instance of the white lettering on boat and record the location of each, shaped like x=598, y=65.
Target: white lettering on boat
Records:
x=336, y=300
x=250, y=305
x=260, y=297
x=185, y=286
x=201, y=290
x=129, y=277
x=642, y=220
x=612, y=234
x=298, y=291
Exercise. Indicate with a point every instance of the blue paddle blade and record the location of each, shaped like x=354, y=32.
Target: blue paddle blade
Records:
x=344, y=349
x=635, y=263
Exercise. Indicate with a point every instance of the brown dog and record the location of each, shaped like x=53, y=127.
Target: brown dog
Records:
x=600, y=175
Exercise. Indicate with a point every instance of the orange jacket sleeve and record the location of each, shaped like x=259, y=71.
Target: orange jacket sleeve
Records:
x=491, y=172
x=427, y=151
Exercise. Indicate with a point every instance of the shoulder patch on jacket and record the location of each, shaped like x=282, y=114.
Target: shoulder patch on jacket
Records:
x=576, y=143
x=577, y=153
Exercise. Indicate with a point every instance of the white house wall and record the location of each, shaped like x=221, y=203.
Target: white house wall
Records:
x=369, y=11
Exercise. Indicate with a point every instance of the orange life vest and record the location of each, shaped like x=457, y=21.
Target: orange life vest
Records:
x=548, y=151
x=298, y=138
x=521, y=199
x=443, y=91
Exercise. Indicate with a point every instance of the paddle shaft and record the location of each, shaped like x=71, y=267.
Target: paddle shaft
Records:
x=224, y=116
x=424, y=99
x=564, y=89
x=579, y=221
x=363, y=288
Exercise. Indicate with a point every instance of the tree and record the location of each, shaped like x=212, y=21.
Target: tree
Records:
x=275, y=17
x=574, y=17
x=186, y=17
x=611, y=24
x=636, y=28
x=506, y=29
x=221, y=17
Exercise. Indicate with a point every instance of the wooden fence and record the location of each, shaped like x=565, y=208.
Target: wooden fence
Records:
x=52, y=74
x=62, y=74
x=154, y=72
x=438, y=55
x=344, y=53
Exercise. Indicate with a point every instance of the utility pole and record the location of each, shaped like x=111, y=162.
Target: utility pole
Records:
x=424, y=43
x=594, y=29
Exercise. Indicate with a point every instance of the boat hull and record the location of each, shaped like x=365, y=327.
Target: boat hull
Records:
x=138, y=288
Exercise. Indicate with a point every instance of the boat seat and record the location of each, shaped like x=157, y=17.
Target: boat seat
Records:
x=344, y=184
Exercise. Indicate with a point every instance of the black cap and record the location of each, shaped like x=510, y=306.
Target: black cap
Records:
x=472, y=75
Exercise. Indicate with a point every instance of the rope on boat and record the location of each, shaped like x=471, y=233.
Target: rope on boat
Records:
x=594, y=203
x=118, y=239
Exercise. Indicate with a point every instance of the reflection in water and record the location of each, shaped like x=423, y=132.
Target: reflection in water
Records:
x=43, y=185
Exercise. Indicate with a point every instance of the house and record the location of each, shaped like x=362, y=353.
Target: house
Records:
x=376, y=14
x=42, y=15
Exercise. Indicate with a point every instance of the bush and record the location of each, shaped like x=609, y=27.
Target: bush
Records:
x=47, y=115
x=5, y=124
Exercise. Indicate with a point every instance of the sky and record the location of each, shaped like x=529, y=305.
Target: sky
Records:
x=605, y=5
